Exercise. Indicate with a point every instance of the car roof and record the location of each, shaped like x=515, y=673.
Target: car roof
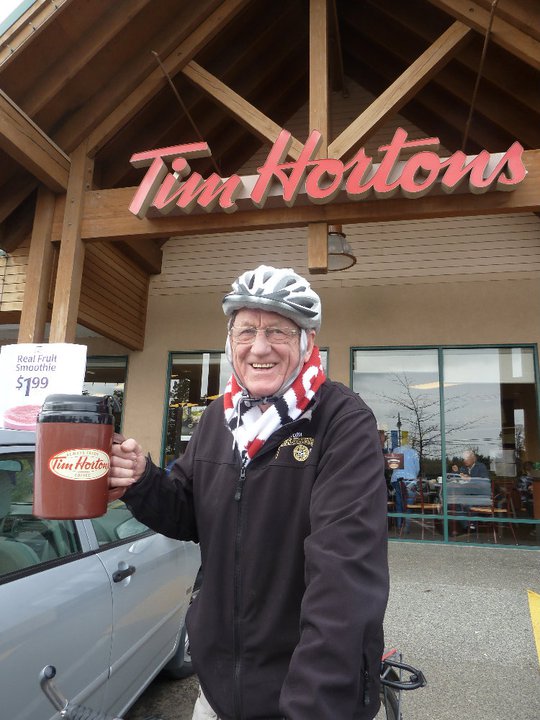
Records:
x=10, y=439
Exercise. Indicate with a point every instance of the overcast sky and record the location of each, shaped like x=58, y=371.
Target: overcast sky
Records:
x=6, y=7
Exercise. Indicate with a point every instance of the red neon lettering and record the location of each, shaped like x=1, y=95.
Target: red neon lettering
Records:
x=318, y=192
x=322, y=179
x=515, y=172
x=481, y=177
x=197, y=190
x=419, y=174
x=157, y=169
x=289, y=175
x=388, y=177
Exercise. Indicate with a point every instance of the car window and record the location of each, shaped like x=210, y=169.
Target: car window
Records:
x=26, y=540
x=117, y=524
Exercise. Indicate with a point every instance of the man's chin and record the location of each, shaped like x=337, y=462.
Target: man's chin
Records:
x=263, y=389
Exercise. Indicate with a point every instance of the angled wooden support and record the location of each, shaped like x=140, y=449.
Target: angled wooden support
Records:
x=241, y=109
x=39, y=271
x=317, y=242
x=71, y=258
x=24, y=141
x=401, y=90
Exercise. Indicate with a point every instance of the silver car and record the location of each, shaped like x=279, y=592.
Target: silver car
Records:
x=102, y=600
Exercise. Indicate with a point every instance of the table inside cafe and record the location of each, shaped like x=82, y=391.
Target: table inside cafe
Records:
x=461, y=495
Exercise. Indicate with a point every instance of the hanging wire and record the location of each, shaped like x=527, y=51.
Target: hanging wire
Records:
x=184, y=108
x=339, y=51
x=479, y=74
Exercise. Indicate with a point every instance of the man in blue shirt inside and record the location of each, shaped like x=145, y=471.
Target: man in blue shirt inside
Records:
x=472, y=466
x=408, y=473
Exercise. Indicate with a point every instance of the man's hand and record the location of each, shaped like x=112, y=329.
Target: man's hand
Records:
x=128, y=462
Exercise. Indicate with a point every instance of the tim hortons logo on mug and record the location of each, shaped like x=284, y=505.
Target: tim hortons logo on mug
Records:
x=80, y=464
x=164, y=189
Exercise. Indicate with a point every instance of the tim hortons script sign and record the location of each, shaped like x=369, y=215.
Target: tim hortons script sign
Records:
x=170, y=185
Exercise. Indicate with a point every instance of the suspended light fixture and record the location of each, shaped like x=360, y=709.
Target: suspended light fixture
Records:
x=340, y=255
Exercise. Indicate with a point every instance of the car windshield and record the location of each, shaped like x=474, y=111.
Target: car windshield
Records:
x=26, y=540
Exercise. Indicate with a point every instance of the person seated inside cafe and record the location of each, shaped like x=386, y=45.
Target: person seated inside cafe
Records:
x=525, y=487
x=473, y=468
x=461, y=496
x=407, y=474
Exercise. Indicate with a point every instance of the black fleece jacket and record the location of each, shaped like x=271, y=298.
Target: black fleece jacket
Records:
x=288, y=623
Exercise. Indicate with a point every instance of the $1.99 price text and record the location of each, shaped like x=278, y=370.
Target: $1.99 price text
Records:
x=32, y=383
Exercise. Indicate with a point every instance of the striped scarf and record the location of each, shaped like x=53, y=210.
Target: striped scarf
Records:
x=251, y=428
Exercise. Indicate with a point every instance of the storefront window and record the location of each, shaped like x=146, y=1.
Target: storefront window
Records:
x=459, y=428
x=194, y=380
x=107, y=376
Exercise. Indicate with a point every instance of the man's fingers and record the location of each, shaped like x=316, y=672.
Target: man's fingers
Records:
x=127, y=461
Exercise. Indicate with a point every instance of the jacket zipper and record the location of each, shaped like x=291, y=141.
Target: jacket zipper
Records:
x=367, y=685
x=237, y=644
x=240, y=482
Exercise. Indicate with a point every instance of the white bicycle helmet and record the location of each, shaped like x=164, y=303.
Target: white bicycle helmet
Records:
x=279, y=290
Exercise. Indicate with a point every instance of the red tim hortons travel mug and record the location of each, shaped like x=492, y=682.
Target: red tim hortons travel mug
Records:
x=73, y=445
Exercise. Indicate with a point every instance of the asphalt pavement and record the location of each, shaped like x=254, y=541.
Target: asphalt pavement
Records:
x=459, y=613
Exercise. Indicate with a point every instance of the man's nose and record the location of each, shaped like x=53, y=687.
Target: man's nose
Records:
x=261, y=342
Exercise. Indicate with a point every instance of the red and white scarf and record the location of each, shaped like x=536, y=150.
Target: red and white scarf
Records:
x=251, y=428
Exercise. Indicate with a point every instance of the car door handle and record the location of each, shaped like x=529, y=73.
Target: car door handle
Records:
x=120, y=575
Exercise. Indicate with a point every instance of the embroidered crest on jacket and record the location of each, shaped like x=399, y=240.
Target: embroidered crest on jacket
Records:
x=301, y=446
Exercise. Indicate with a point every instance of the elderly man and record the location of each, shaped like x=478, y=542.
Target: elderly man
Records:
x=472, y=467
x=283, y=485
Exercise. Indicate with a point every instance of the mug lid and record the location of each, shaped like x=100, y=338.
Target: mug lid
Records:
x=78, y=403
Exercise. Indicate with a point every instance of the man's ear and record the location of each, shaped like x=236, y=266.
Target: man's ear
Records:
x=310, y=344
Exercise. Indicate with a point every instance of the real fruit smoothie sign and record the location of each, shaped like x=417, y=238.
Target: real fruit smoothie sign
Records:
x=30, y=372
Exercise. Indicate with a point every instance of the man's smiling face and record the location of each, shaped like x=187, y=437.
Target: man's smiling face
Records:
x=262, y=368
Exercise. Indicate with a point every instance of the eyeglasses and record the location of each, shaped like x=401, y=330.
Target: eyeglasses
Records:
x=275, y=336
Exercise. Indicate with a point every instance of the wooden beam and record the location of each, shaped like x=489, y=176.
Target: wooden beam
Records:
x=508, y=74
x=523, y=14
x=26, y=143
x=381, y=68
x=318, y=248
x=51, y=81
x=455, y=78
x=508, y=36
x=317, y=240
x=241, y=109
x=39, y=271
x=106, y=215
x=173, y=64
x=71, y=257
x=389, y=102
x=318, y=71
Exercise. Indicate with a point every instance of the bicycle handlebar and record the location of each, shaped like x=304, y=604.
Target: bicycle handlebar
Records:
x=415, y=680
